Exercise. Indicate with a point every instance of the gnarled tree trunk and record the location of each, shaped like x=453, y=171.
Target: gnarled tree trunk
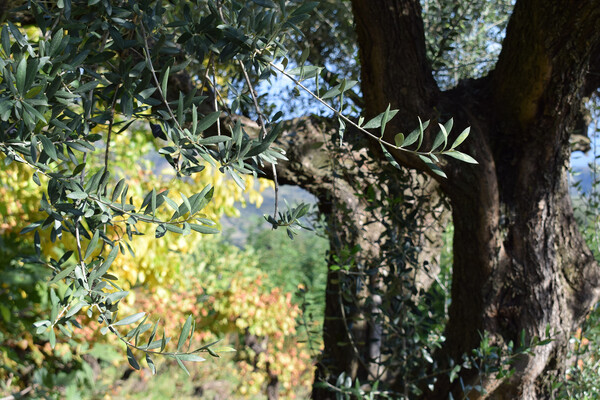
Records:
x=520, y=263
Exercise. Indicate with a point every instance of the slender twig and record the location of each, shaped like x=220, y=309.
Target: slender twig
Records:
x=216, y=102
x=81, y=263
x=221, y=99
x=114, y=330
x=110, y=127
x=346, y=119
x=263, y=130
x=49, y=31
x=220, y=9
x=206, y=72
x=261, y=116
x=158, y=85
x=103, y=41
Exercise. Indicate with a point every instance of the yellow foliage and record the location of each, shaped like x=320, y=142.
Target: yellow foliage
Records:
x=156, y=261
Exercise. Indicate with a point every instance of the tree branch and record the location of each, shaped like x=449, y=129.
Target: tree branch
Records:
x=542, y=50
x=389, y=31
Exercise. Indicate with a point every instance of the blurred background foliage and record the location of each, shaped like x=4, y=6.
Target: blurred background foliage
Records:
x=264, y=297
x=250, y=298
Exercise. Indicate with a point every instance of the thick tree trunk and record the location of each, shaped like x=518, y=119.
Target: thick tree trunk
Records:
x=520, y=263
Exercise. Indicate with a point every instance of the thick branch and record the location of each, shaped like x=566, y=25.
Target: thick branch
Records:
x=394, y=66
x=392, y=52
x=548, y=43
x=592, y=78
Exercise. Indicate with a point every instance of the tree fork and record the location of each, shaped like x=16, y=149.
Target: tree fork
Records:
x=520, y=262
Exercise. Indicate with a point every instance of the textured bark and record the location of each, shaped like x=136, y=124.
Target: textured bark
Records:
x=520, y=262
x=352, y=337
x=313, y=167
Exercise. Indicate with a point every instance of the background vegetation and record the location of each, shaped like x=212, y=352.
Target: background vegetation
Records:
x=260, y=301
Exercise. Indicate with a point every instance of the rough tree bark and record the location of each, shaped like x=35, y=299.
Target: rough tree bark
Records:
x=520, y=263
x=314, y=166
x=352, y=336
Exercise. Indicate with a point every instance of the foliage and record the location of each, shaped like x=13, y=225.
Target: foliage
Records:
x=27, y=362
x=162, y=258
x=78, y=88
x=25, y=283
x=241, y=306
x=260, y=314
x=80, y=75
x=464, y=38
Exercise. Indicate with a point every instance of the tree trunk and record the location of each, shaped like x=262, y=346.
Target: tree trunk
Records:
x=329, y=173
x=520, y=263
x=521, y=266
x=347, y=193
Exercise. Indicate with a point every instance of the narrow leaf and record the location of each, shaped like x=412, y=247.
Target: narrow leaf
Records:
x=62, y=274
x=331, y=93
x=204, y=229
x=461, y=138
x=130, y=319
x=377, y=121
x=191, y=357
x=389, y=157
x=422, y=127
x=194, y=119
x=180, y=363
x=132, y=361
x=21, y=75
x=186, y=204
x=118, y=188
x=153, y=334
x=78, y=195
x=385, y=119
x=165, y=80
x=87, y=87
x=439, y=139
x=185, y=332
x=92, y=245
x=207, y=121
x=48, y=147
x=448, y=125
x=52, y=338
x=163, y=342
x=150, y=364
x=461, y=156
